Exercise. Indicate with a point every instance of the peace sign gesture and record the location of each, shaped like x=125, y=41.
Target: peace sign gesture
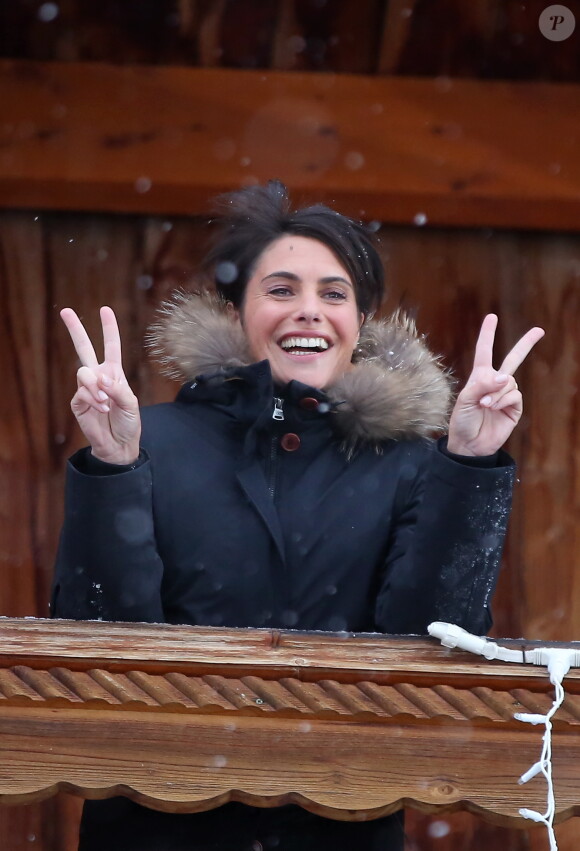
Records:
x=490, y=405
x=105, y=406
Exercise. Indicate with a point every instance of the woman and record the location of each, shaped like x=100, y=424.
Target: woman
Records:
x=292, y=482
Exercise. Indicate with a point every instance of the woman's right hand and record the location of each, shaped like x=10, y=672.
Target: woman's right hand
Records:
x=104, y=405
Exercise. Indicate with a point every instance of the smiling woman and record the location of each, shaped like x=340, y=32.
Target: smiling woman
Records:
x=300, y=312
x=294, y=482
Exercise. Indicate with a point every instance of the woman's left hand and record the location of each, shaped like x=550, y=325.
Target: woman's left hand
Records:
x=490, y=405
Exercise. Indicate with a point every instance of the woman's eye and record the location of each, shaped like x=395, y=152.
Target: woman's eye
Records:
x=280, y=291
x=337, y=295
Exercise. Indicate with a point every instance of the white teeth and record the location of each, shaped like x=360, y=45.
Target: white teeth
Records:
x=304, y=343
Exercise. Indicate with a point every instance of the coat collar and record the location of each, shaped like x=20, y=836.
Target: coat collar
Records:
x=397, y=388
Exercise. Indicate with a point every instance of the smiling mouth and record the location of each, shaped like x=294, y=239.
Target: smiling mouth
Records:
x=304, y=345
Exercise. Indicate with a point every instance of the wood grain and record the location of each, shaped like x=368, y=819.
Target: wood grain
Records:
x=245, y=652
x=550, y=506
x=24, y=455
x=338, y=771
x=83, y=136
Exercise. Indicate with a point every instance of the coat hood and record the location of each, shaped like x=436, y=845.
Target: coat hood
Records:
x=397, y=388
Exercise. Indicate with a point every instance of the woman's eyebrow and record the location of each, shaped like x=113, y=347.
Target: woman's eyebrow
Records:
x=290, y=276
x=332, y=279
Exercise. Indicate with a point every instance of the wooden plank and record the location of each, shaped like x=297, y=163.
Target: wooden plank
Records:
x=399, y=150
x=341, y=771
x=172, y=252
x=24, y=532
x=546, y=521
x=397, y=22
x=463, y=831
x=199, y=649
x=449, y=37
x=340, y=36
x=29, y=827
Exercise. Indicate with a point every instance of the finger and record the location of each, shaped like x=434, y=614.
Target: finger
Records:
x=521, y=350
x=513, y=399
x=81, y=341
x=88, y=378
x=84, y=399
x=484, y=347
x=111, y=336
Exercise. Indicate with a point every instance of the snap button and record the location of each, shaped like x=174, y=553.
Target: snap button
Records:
x=309, y=403
x=290, y=442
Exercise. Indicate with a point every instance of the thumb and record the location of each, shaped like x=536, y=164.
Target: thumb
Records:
x=480, y=386
x=119, y=391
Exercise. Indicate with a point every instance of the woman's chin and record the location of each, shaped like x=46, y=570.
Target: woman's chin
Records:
x=318, y=369
x=310, y=374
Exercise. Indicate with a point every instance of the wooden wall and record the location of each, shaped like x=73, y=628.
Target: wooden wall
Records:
x=451, y=277
x=448, y=278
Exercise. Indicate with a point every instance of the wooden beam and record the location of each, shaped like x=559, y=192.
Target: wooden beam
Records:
x=349, y=727
x=202, y=649
x=164, y=140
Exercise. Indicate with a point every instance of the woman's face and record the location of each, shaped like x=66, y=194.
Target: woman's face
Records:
x=300, y=312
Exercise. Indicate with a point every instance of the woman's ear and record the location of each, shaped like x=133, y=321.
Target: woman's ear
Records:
x=232, y=312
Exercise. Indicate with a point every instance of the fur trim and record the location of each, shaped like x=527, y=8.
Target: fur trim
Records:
x=194, y=335
x=396, y=389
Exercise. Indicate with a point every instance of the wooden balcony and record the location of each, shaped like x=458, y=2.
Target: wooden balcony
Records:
x=348, y=726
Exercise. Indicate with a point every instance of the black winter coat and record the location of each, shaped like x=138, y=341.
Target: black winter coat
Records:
x=254, y=505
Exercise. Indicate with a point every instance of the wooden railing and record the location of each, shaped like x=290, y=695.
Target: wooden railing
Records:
x=187, y=718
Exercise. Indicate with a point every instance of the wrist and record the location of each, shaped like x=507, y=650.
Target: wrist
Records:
x=121, y=459
x=460, y=449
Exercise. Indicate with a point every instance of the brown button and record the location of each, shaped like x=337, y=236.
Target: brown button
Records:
x=290, y=442
x=309, y=403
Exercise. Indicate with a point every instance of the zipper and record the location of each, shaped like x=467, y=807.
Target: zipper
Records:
x=278, y=413
x=272, y=476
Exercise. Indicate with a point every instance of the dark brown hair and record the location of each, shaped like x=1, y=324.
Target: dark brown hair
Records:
x=249, y=220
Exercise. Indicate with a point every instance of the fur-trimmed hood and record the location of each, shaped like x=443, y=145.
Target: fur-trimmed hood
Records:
x=396, y=389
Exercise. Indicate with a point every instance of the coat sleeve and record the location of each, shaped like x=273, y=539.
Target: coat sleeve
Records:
x=107, y=566
x=446, y=545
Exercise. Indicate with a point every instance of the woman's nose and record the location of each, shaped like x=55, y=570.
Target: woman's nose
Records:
x=308, y=310
x=308, y=316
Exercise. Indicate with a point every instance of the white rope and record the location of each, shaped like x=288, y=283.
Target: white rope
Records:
x=558, y=662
